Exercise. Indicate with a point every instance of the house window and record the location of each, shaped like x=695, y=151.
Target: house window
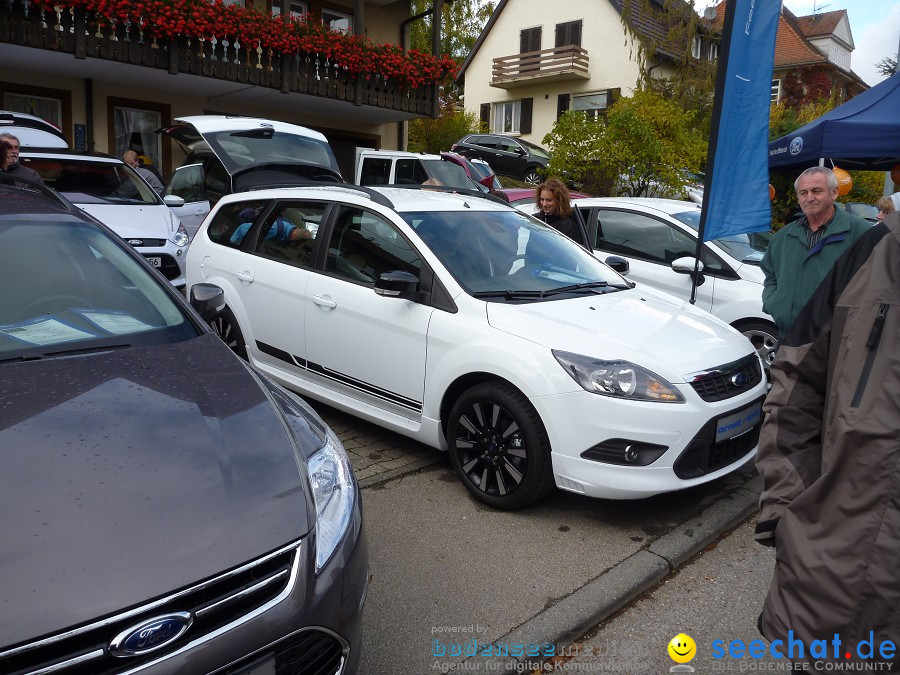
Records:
x=239, y=3
x=593, y=105
x=337, y=20
x=133, y=125
x=50, y=109
x=776, y=91
x=568, y=33
x=295, y=9
x=530, y=40
x=695, y=47
x=713, y=52
x=507, y=117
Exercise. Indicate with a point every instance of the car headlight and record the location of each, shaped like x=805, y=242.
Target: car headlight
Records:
x=621, y=379
x=180, y=237
x=333, y=490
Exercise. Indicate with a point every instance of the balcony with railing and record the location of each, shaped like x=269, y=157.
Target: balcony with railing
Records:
x=85, y=34
x=569, y=62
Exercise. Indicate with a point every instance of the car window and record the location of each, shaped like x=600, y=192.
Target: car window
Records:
x=501, y=253
x=289, y=232
x=187, y=183
x=90, y=293
x=238, y=149
x=535, y=150
x=216, y=183
x=746, y=247
x=448, y=173
x=232, y=223
x=363, y=245
x=507, y=145
x=84, y=181
x=485, y=141
x=409, y=172
x=641, y=236
x=375, y=171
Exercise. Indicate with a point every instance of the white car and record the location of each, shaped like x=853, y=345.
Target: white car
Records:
x=114, y=193
x=658, y=238
x=474, y=328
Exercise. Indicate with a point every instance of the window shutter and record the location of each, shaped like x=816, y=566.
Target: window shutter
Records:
x=562, y=104
x=613, y=95
x=568, y=33
x=486, y=116
x=575, y=37
x=525, y=120
x=530, y=40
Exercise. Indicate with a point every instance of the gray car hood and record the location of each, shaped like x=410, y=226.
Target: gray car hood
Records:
x=128, y=475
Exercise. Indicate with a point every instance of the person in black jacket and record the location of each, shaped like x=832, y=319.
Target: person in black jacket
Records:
x=9, y=162
x=552, y=198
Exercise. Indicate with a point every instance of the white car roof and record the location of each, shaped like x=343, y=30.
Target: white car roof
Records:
x=215, y=123
x=668, y=206
x=31, y=131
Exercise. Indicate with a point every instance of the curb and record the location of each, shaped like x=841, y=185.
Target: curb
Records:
x=597, y=600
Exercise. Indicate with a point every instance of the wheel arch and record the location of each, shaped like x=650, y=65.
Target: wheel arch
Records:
x=461, y=384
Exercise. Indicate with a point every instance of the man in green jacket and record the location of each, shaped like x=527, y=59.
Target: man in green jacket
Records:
x=802, y=252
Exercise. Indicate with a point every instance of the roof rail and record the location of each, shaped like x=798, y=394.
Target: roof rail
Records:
x=375, y=196
x=449, y=189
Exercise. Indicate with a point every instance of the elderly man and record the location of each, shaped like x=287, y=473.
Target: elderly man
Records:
x=130, y=157
x=11, y=166
x=804, y=251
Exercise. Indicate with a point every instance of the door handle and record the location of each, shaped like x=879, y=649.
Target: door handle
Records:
x=324, y=301
x=245, y=276
x=201, y=212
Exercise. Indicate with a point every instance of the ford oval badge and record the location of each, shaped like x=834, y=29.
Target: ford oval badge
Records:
x=136, y=242
x=739, y=379
x=151, y=635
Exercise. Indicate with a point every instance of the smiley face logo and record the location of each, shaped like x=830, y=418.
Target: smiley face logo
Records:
x=682, y=648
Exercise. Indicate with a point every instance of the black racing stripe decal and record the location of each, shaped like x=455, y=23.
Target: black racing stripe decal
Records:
x=371, y=389
x=280, y=354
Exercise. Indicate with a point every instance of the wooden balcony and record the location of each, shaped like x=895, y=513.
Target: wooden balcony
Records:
x=548, y=65
x=75, y=32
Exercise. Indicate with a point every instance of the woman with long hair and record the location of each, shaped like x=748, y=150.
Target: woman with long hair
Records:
x=552, y=198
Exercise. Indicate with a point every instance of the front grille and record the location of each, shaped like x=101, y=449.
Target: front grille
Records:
x=310, y=652
x=704, y=455
x=169, y=267
x=147, y=243
x=722, y=382
x=214, y=603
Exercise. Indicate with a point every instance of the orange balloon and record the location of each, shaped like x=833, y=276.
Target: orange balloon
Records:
x=895, y=174
x=845, y=182
x=771, y=192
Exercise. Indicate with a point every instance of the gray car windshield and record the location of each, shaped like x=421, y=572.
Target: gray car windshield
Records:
x=507, y=256
x=240, y=149
x=747, y=247
x=71, y=288
x=85, y=181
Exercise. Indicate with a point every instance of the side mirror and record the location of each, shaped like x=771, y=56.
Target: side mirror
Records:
x=173, y=200
x=619, y=264
x=208, y=300
x=686, y=265
x=397, y=284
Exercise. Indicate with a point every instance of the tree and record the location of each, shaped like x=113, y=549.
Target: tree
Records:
x=434, y=135
x=887, y=66
x=645, y=142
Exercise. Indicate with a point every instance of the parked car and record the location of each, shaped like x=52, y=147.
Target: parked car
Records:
x=658, y=238
x=508, y=156
x=166, y=507
x=114, y=193
x=399, y=167
x=31, y=131
x=477, y=329
x=228, y=154
x=525, y=197
x=861, y=209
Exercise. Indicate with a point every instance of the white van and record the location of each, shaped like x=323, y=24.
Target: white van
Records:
x=398, y=167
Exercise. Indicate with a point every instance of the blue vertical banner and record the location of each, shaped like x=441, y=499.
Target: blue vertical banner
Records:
x=736, y=193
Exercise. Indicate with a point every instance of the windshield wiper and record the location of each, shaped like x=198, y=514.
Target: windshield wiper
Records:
x=38, y=354
x=509, y=294
x=584, y=286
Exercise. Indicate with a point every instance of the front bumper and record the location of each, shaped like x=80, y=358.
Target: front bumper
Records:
x=171, y=259
x=578, y=421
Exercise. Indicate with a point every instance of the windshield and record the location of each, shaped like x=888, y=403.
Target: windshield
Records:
x=240, y=149
x=535, y=150
x=506, y=256
x=85, y=181
x=68, y=286
x=748, y=248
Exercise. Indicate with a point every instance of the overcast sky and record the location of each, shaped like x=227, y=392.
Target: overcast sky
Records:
x=875, y=25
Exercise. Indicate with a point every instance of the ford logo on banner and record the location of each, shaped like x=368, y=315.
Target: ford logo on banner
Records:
x=796, y=145
x=151, y=635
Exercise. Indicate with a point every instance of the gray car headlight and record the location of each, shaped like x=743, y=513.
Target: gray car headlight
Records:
x=180, y=237
x=621, y=379
x=333, y=489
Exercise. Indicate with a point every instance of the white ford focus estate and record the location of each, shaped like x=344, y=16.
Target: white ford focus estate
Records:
x=476, y=329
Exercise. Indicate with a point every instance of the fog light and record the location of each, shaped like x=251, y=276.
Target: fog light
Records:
x=631, y=453
x=625, y=452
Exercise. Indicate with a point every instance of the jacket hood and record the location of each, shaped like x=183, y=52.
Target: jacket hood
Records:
x=646, y=327
x=130, y=474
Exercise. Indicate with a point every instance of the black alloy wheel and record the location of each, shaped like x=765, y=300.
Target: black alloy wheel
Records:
x=498, y=446
x=226, y=327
